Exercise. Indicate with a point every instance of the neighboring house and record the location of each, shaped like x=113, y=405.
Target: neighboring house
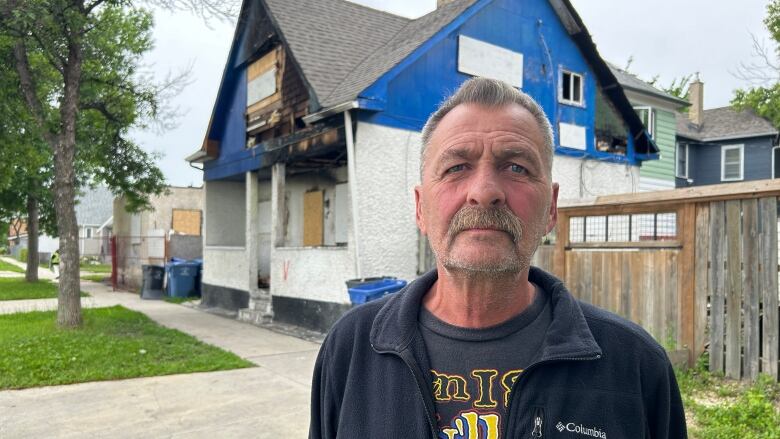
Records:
x=93, y=217
x=171, y=228
x=723, y=145
x=657, y=110
x=313, y=146
x=94, y=211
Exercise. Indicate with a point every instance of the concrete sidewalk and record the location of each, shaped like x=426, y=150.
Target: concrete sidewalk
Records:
x=43, y=270
x=268, y=401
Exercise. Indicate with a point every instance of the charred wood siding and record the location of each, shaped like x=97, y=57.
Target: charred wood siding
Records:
x=279, y=114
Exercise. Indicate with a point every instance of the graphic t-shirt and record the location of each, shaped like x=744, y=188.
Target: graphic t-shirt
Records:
x=473, y=370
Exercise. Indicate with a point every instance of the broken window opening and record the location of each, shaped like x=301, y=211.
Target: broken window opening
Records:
x=571, y=90
x=610, y=129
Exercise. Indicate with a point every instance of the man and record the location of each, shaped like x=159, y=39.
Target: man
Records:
x=486, y=346
x=54, y=262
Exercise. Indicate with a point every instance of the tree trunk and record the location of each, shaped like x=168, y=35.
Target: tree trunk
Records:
x=31, y=275
x=69, y=303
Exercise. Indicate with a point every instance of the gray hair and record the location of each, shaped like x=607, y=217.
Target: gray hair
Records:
x=489, y=93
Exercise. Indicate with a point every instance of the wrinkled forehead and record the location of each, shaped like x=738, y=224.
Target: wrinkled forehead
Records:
x=468, y=128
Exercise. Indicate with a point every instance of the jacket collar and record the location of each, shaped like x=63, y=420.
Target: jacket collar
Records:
x=568, y=336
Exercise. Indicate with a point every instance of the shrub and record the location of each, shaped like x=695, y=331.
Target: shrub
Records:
x=23, y=255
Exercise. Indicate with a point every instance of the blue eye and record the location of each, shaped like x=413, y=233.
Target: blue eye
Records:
x=455, y=168
x=518, y=169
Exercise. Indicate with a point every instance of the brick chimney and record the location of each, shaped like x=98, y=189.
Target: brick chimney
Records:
x=696, y=98
x=440, y=3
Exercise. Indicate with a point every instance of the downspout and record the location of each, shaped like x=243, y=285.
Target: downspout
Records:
x=352, y=175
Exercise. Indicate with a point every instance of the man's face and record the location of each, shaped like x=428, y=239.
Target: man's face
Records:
x=486, y=196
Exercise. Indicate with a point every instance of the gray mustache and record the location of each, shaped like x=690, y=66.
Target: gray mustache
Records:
x=498, y=218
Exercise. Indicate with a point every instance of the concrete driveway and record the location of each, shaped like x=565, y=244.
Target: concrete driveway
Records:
x=268, y=401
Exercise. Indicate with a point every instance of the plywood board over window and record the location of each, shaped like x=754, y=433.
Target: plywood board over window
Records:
x=264, y=77
x=186, y=222
x=313, y=209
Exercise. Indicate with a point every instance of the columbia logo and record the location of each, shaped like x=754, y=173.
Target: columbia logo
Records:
x=560, y=426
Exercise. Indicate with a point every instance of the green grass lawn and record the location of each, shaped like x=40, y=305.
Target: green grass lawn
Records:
x=96, y=268
x=5, y=266
x=114, y=343
x=718, y=408
x=95, y=277
x=16, y=288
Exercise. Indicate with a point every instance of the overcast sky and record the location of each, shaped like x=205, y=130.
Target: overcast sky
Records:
x=669, y=38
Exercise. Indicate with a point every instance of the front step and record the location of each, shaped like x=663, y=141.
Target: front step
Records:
x=260, y=311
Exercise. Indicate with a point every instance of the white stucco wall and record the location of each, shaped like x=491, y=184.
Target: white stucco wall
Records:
x=387, y=162
x=226, y=267
x=225, y=217
x=312, y=273
x=580, y=179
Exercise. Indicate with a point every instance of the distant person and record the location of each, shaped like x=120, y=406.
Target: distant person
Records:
x=54, y=262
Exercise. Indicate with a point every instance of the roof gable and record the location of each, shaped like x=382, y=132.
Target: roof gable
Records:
x=725, y=123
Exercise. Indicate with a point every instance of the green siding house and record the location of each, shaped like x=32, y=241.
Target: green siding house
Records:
x=657, y=110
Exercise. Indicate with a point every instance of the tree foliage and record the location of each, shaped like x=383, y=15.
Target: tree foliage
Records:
x=763, y=74
x=75, y=67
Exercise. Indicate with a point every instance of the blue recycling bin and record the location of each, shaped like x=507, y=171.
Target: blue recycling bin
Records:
x=368, y=291
x=181, y=278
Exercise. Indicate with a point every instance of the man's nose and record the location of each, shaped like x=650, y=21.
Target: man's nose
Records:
x=485, y=189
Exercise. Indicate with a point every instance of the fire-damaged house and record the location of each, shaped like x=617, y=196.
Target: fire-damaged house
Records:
x=313, y=147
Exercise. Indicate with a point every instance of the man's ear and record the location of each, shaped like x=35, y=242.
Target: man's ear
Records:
x=418, y=216
x=553, y=213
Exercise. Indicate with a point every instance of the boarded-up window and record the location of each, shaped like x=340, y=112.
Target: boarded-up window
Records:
x=313, y=210
x=262, y=80
x=186, y=222
x=478, y=58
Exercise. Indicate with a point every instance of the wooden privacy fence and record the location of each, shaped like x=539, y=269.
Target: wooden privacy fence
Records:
x=696, y=267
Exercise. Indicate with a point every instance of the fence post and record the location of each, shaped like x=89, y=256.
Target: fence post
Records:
x=686, y=281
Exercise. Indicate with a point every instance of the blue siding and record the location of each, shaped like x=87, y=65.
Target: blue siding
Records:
x=412, y=91
x=407, y=94
x=229, y=128
x=705, y=160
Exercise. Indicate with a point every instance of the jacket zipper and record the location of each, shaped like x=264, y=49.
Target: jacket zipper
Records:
x=538, y=419
x=419, y=390
x=519, y=381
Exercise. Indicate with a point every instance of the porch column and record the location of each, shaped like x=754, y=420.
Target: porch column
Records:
x=278, y=208
x=250, y=202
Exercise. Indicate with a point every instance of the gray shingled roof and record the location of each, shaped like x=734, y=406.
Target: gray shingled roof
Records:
x=95, y=206
x=338, y=57
x=415, y=33
x=630, y=81
x=725, y=123
x=328, y=38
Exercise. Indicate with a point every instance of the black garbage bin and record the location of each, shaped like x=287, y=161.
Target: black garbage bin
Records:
x=153, y=282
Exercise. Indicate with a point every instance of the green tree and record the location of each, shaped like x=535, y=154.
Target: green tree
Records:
x=25, y=171
x=76, y=63
x=763, y=74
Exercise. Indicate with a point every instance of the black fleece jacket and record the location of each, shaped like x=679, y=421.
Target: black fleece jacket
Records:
x=596, y=375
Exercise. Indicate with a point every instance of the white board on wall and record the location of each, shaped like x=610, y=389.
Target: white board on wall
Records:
x=478, y=58
x=572, y=136
x=261, y=87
